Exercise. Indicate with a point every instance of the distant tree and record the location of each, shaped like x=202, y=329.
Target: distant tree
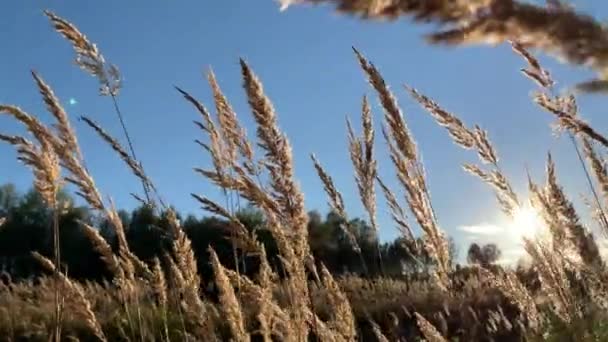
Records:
x=9, y=198
x=483, y=255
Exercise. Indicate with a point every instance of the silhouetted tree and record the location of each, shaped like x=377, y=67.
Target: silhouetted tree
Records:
x=483, y=255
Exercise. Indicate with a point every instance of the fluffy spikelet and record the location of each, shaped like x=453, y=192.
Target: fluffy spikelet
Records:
x=393, y=116
x=557, y=30
x=68, y=156
x=554, y=282
x=102, y=247
x=279, y=161
x=265, y=279
x=273, y=320
x=79, y=175
x=362, y=156
x=429, y=10
x=134, y=165
x=516, y=292
x=464, y=137
x=485, y=149
x=44, y=164
x=566, y=120
x=397, y=213
x=336, y=202
x=534, y=70
x=64, y=128
x=235, y=136
x=247, y=187
x=195, y=312
x=76, y=293
x=159, y=284
x=82, y=46
x=430, y=333
x=410, y=172
x=343, y=322
x=581, y=239
x=88, y=57
x=33, y=125
x=477, y=139
x=505, y=194
x=184, y=255
x=228, y=301
x=217, y=148
x=243, y=237
x=461, y=135
x=598, y=165
x=378, y=332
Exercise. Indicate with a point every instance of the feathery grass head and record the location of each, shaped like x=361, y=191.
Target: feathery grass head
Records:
x=336, y=202
x=278, y=160
x=64, y=128
x=235, y=136
x=228, y=300
x=88, y=57
x=133, y=165
x=392, y=113
x=44, y=164
x=556, y=30
x=362, y=157
x=429, y=331
x=242, y=236
x=217, y=147
x=75, y=291
x=159, y=283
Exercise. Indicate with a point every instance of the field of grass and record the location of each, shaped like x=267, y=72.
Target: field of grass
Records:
x=562, y=296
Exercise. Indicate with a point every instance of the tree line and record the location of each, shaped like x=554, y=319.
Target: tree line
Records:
x=28, y=229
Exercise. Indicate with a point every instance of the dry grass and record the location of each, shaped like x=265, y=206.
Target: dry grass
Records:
x=301, y=299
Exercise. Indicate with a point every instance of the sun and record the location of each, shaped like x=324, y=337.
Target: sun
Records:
x=526, y=222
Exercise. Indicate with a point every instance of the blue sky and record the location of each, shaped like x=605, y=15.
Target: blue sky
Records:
x=305, y=60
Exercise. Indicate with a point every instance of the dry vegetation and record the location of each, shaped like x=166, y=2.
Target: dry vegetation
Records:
x=163, y=301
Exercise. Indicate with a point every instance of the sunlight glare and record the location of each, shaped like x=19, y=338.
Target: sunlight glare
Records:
x=526, y=222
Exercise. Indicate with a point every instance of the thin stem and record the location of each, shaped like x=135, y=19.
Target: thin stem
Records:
x=233, y=238
x=57, y=256
x=380, y=260
x=130, y=143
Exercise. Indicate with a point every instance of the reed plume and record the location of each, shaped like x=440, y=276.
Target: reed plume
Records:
x=516, y=293
x=133, y=164
x=216, y=149
x=242, y=236
x=343, y=322
x=410, y=171
x=90, y=59
x=429, y=331
x=361, y=150
x=235, y=136
x=279, y=161
x=473, y=139
x=557, y=30
x=228, y=300
x=336, y=202
x=75, y=292
x=68, y=157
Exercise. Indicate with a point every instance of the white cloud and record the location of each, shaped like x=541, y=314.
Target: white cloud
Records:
x=482, y=229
